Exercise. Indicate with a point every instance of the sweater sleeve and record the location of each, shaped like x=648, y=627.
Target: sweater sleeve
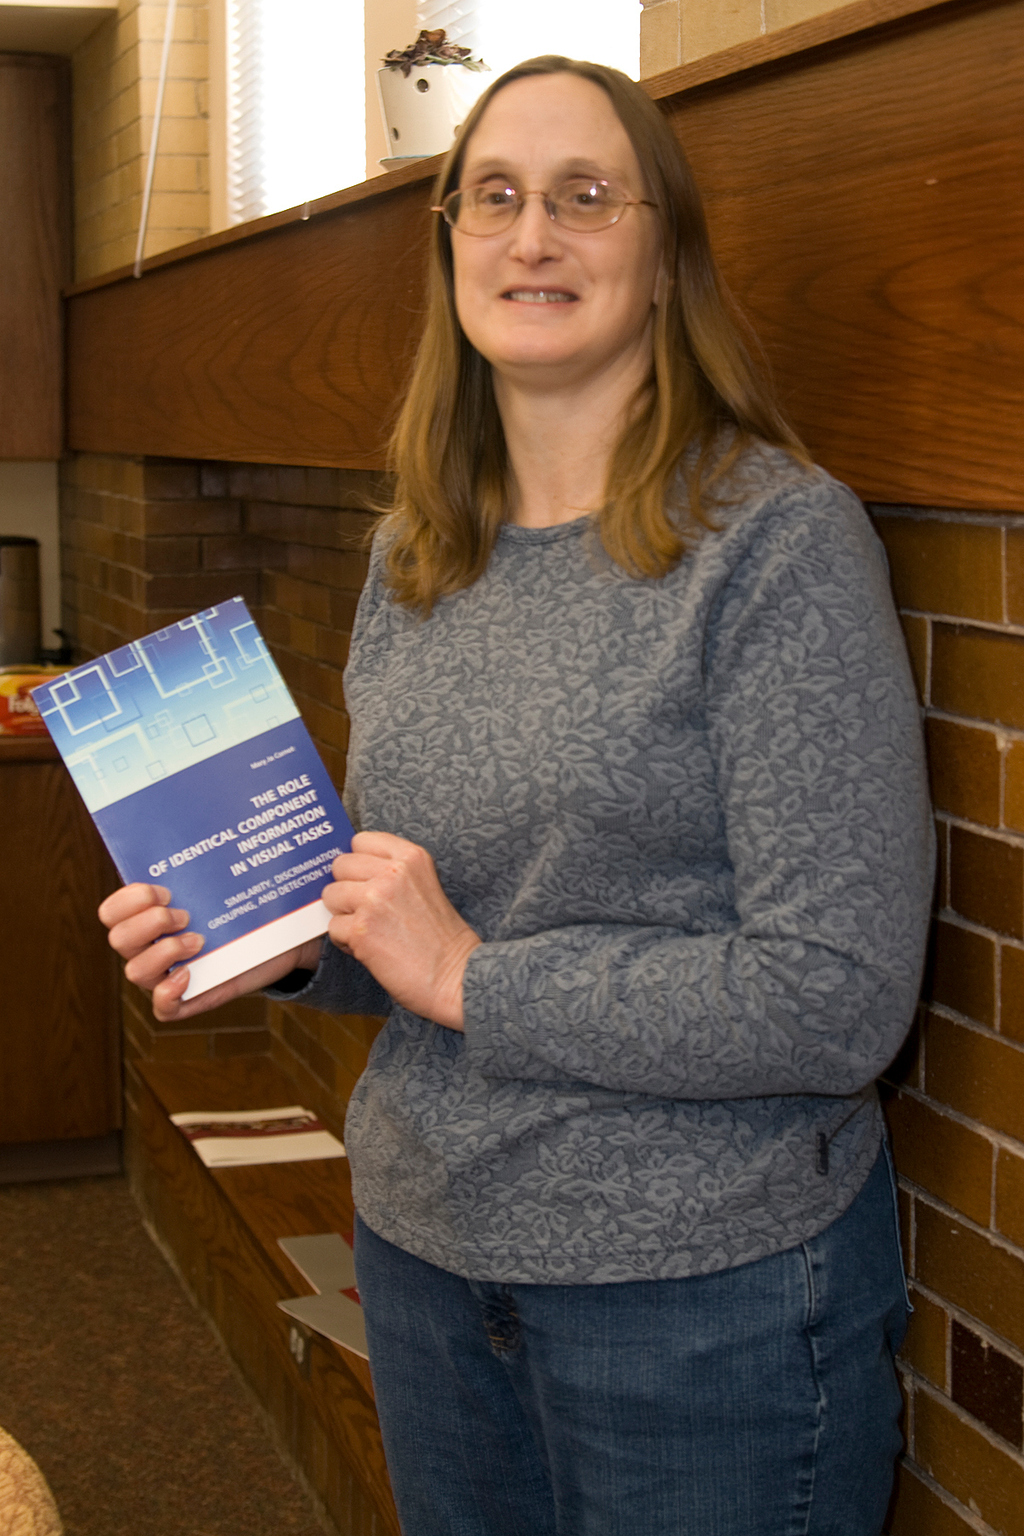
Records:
x=815, y=734
x=338, y=985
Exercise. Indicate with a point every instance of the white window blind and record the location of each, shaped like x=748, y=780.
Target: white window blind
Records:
x=296, y=102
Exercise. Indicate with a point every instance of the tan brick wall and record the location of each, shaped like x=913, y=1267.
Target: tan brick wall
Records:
x=958, y=1116
x=114, y=85
x=678, y=31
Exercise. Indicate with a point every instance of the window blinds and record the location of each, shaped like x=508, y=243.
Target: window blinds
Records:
x=296, y=124
x=246, y=194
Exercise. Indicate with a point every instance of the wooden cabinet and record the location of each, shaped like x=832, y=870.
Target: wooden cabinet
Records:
x=34, y=252
x=59, y=1007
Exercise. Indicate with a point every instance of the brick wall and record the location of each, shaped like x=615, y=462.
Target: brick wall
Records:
x=957, y=1115
x=114, y=82
x=678, y=31
x=148, y=541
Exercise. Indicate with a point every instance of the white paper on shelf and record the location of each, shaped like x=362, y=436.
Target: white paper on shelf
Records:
x=232, y=1147
x=335, y=1316
x=324, y=1260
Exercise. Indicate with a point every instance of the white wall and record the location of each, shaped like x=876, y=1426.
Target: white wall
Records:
x=28, y=506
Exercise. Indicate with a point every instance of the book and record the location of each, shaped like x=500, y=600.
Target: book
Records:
x=194, y=763
x=244, y=1137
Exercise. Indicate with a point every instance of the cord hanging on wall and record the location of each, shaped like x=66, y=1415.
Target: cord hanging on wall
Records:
x=154, y=139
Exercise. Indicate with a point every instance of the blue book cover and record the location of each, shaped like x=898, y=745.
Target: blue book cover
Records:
x=191, y=756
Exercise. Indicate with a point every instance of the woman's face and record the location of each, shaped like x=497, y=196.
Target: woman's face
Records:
x=552, y=308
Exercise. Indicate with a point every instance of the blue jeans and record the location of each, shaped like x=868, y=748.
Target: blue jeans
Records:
x=758, y=1401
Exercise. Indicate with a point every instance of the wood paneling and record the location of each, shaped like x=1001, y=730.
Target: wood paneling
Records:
x=222, y=1230
x=34, y=247
x=861, y=189
x=60, y=1019
x=866, y=210
x=417, y=172
x=288, y=348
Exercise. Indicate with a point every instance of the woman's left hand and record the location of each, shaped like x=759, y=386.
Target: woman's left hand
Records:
x=392, y=915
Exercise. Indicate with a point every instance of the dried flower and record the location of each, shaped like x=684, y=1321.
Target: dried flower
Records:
x=431, y=48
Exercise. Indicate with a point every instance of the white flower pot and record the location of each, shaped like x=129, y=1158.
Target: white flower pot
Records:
x=424, y=111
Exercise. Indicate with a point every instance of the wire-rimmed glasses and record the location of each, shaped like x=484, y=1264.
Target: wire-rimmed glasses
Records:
x=581, y=204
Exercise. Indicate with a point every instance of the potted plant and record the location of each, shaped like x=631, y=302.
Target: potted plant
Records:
x=426, y=90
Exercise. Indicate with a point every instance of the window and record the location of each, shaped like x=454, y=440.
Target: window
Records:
x=295, y=102
x=293, y=82
x=605, y=31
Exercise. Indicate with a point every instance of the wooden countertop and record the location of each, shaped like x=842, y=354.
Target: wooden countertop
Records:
x=28, y=749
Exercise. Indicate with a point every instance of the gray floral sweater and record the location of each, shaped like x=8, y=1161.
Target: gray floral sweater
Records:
x=688, y=818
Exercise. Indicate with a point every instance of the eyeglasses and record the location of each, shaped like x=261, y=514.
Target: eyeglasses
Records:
x=580, y=204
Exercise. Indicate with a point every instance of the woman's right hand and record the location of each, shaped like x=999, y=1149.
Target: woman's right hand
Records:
x=151, y=936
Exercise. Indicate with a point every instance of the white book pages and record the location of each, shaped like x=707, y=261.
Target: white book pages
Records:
x=266, y=943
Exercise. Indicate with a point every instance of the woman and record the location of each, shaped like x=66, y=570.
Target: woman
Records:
x=644, y=886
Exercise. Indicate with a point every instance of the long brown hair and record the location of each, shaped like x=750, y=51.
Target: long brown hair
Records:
x=448, y=449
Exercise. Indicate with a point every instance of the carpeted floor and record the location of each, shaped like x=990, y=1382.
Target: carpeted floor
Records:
x=113, y=1382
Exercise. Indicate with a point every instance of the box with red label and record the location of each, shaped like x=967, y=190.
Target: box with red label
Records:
x=18, y=713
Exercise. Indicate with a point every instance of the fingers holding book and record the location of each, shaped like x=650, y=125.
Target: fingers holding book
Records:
x=142, y=923
x=391, y=913
x=150, y=936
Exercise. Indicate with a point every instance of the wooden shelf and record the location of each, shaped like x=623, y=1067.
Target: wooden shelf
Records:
x=787, y=44
x=221, y=1228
